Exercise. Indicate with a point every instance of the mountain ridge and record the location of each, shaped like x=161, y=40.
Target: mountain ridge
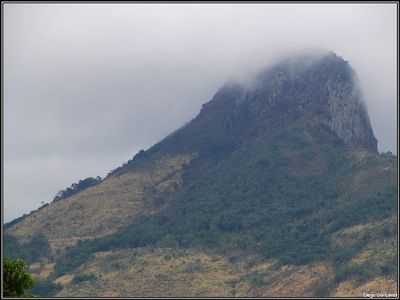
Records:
x=275, y=170
x=342, y=98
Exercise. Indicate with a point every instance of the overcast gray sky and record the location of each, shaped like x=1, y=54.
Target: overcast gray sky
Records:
x=88, y=85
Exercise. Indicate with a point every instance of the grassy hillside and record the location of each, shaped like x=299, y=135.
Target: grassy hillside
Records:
x=104, y=208
x=336, y=211
x=189, y=272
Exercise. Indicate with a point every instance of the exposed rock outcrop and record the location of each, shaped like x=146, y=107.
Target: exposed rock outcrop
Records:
x=324, y=85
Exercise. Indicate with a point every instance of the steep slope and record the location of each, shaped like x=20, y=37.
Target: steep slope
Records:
x=104, y=208
x=269, y=182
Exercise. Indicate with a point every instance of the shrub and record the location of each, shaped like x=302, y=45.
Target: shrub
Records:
x=45, y=288
x=16, y=278
x=84, y=277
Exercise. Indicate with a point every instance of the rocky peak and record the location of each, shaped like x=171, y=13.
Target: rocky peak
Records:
x=323, y=85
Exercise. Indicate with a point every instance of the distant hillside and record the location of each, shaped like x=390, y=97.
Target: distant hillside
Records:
x=273, y=189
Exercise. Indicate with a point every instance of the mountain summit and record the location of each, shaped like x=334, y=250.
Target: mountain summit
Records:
x=275, y=188
x=320, y=89
x=324, y=88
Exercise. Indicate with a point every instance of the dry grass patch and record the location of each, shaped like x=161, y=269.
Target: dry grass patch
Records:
x=146, y=272
x=64, y=280
x=103, y=209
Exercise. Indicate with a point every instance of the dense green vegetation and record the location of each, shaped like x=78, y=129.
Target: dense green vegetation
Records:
x=257, y=200
x=45, y=288
x=84, y=277
x=34, y=250
x=16, y=279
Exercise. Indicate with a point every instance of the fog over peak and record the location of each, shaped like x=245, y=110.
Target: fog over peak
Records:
x=86, y=86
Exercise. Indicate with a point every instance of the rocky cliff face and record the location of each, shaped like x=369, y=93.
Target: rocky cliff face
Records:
x=316, y=90
x=349, y=118
x=323, y=87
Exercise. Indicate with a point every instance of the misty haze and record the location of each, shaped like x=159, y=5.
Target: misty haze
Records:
x=201, y=150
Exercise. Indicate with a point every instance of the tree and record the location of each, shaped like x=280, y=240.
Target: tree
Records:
x=16, y=278
x=77, y=187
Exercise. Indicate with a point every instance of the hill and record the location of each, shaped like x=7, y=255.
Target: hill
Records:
x=275, y=188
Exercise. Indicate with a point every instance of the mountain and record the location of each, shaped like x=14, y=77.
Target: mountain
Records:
x=275, y=188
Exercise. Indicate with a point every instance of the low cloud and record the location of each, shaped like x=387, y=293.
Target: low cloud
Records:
x=88, y=85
